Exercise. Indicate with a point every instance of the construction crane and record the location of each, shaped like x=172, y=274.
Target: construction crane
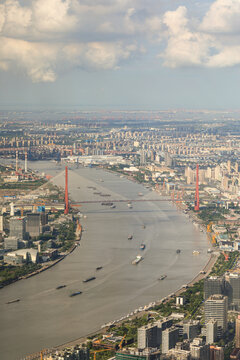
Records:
x=209, y=227
x=121, y=342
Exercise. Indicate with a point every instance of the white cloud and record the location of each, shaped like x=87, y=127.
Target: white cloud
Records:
x=184, y=47
x=222, y=17
x=46, y=36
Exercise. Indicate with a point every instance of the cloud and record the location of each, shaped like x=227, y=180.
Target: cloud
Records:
x=42, y=38
x=184, y=47
x=222, y=17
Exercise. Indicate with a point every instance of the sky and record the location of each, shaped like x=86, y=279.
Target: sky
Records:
x=120, y=54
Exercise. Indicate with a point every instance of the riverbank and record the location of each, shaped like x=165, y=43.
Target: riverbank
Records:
x=119, y=287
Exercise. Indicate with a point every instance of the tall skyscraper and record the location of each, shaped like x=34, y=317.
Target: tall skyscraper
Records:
x=148, y=336
x=233, y=291
x=216, y=308
x=211, y=331
x=199, y=350
x=169, y=339
x=214, y=285
x=238, y=332
x=33, y=224
x=17, y=227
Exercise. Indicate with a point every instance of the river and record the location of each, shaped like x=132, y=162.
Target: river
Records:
x=47, y=317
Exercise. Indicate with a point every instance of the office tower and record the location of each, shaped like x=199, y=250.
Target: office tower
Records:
x=190, y=329
x=211, y=331
x=33, y=224
x=216, y=353
x=148, y=336
x=12, y=242
x=17, y=226
x=213, y=285
x=216, y=308
x=168, y=160
x=142, y=157
x=233, y=291
x=199, y=350
x=169, y=339
x=237, y=333
x=1, y=223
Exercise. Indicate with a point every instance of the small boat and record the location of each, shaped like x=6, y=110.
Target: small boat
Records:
x=178, y=251
x=137, y=260
x=162, y=277
x=76, y=293
x=130, y=237
x=99, y=268
x=142, y=246
x=13, y=301
x=89, y=279
x=60, y=287
x=196, y=252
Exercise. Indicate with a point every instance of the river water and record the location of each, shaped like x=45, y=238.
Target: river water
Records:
x=47, y=317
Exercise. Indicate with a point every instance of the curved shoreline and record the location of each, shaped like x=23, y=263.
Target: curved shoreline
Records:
x=206, y=269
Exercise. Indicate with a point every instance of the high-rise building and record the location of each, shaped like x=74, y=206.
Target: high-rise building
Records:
x=233, y=291
x=12, y=242
x=142, y=157
x=1, y=223
x=169, y=339
x=211, y=331
x=33, y=224
x=199, y=350
x=190, y=329
x=237, y=333
x=216, y=308
x=17, y=226
x=213, y=285
x=216, y=353
x=149, y=336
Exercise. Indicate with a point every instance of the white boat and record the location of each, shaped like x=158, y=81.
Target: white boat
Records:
x=137, y=260
x=196, y=252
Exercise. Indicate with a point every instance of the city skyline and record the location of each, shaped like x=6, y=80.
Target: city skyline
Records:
x=119, y=54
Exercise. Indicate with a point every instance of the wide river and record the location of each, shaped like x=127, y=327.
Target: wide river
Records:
x=47, y=317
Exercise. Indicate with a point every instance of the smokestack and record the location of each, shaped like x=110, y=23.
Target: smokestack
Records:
x=26, y=162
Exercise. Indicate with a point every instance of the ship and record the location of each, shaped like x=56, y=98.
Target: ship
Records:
x=196, y=252
x=60, y=287
x=162, y=277
x=99, y=268
x=178, y=251
x=142, y=246
x=89, y=279
x=76, y=293
x=130, y=237
x=137, y=260
x=12, y=301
